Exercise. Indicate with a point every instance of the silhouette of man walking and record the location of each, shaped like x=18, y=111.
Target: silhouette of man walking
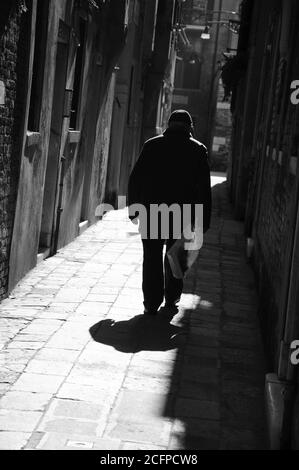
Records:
x=172, y=169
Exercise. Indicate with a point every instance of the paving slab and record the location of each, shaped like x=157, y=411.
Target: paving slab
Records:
x=25, y=401
x=30, y=382
x=16, y=420
x=13, y=440
x=60, y=441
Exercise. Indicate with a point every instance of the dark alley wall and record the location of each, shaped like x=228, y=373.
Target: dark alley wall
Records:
x=264, y=172
x=14, y=51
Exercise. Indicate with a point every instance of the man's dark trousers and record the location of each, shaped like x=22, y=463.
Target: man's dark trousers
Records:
x=158, y=284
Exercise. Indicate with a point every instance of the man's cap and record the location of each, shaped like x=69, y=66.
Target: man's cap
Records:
x=182, y=116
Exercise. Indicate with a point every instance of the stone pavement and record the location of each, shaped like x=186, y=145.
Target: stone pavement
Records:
x=82, y=368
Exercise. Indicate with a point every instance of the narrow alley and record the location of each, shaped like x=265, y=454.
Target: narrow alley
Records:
x=83, y=368
x=142, y=103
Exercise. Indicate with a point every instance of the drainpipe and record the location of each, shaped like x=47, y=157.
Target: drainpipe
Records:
x=59, y=205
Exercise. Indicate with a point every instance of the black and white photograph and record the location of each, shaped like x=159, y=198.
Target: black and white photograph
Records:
x=149, y=229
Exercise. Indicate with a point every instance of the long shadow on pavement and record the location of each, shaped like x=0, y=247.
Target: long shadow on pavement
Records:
x=141, y=333
x=221, y=366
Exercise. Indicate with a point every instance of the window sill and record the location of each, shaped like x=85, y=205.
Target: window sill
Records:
x=33, y=138
x=74, y=137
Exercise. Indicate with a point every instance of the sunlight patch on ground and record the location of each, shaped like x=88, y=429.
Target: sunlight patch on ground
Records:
x=217, y=178
x=189, y=301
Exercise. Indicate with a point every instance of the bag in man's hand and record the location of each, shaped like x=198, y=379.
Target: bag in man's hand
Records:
x=184, y=253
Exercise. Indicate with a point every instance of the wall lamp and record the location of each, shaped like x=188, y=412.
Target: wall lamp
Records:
x=232, y=25
x=206, y=34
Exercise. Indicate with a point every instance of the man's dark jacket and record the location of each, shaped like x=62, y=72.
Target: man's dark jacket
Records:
x=172, y=169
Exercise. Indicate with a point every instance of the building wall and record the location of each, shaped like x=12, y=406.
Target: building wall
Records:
x=275, y=214
x=128, y=101
x=14, y=48
x=98, y=138
x=246, y=99
x=158, y=87
x=100, y=153
x=265, y=178
x=33, y=155
x=130, y=80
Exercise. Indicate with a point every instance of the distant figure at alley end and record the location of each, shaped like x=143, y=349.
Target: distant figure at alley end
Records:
x=171, y=182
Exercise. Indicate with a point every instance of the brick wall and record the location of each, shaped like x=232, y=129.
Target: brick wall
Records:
x=13, y=56
x=263, y=180
x=272, y=238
